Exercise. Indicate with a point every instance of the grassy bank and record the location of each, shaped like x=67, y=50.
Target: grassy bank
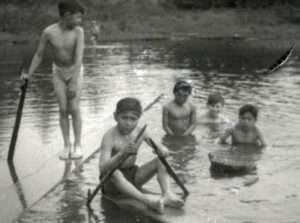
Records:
x=140, y=20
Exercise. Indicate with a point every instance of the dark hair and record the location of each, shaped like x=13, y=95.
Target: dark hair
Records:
x=71, y=6
x=215, y=98
x=249, y=108
x=129, y=104
x=182, y=85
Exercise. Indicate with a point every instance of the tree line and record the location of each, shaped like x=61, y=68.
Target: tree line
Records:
x=233, y=3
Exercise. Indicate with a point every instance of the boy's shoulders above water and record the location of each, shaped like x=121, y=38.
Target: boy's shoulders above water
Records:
x=54, y=28
x=172, y=105
x=222, y=119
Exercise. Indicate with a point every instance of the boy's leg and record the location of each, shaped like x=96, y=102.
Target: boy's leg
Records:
x=125, y=187
x=147, y=171
x=60, y=91
x=74, y=107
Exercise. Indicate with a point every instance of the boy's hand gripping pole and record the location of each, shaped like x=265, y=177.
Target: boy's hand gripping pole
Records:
x=110, y=173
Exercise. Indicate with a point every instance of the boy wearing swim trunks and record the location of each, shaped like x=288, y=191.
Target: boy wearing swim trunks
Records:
x=117, y=143
x=66, y=38
x=179, y=115
x=245, y=131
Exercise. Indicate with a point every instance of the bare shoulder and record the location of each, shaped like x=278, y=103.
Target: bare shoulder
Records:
x=79, y=30
x=168, y=106
x=109, y=135
x=224, y=119
x=51, y=29
x=192, y=105
x=257, y=131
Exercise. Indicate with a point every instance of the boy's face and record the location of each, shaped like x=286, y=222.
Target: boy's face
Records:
x=127, y=121
x=181, y=96
x=215, y=109
x=247, y=120
x=74, y=19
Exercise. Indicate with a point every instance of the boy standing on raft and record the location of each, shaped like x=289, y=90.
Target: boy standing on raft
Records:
x=179, y=115
x=66, y=38
x=117, y=143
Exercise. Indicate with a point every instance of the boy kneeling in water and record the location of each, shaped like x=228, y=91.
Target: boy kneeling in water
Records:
x=245, y=131
x=117, y=143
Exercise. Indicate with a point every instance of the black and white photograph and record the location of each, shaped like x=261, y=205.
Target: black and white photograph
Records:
x=149, y=111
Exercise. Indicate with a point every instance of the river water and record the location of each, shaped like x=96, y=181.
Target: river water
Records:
x=145, y=70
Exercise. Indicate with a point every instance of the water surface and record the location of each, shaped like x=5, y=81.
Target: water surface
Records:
x=145, y=70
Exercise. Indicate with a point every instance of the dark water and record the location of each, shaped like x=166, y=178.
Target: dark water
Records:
x=145, y=70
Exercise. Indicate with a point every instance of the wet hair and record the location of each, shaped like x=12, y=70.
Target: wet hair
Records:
x=71, y=6
x=129, y=104
x=182, y=85
x=249, y=108
x=215, y=98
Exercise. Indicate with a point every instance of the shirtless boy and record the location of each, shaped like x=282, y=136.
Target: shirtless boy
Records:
x=179, y=115
x=213, y=115
x=95, y=31
x=66, y=38
x=117, y=142
x=245, y=131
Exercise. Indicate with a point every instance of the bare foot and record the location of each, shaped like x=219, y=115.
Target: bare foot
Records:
x=173, y=201
x=156, y=204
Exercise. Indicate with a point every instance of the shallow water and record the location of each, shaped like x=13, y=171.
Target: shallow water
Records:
x=145, y=70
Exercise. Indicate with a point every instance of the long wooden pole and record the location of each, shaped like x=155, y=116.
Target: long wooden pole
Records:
x=14, y=137
x=168, y=168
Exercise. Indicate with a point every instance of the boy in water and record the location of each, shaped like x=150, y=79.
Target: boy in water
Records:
x=179, y=115
x=245, y=131
x=66, y=38
x=95, y=31
x=215, y=105
x=129, y=178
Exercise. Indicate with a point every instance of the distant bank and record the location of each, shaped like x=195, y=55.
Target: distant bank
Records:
x=129, y=20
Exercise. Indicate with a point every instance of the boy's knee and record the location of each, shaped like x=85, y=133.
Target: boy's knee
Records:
x=74, y=111
x=63, y=112
x=115, y=177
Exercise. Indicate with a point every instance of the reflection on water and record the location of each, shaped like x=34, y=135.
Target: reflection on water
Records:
x=18, y=185
x=146, y=70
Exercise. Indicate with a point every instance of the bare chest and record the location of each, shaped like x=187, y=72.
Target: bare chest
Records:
x=244, y=137
x=177, y=112
x=61, y=41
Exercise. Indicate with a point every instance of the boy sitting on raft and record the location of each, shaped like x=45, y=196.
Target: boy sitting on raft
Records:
x=129, y=178
x=179, y=115
x=245, y=131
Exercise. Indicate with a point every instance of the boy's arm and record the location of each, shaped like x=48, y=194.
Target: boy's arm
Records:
x=107, y=162
x=38, y=56
x=193, y=122
x=79, y=47
x=78, y=57
x=165, y=121
x=225, y=136
x=260, y=138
